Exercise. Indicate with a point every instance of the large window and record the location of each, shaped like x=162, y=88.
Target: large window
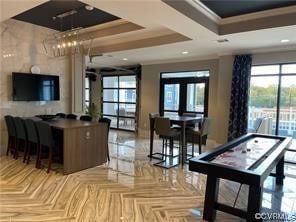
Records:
x=184, y=92
x=273, y=95
x=119, y=100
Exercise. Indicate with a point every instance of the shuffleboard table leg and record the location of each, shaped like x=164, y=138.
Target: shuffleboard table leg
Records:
x=254, y=203
x=211, y=198
x=280, y=172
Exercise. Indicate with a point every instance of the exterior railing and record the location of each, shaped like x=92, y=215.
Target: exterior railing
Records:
x=287, y=119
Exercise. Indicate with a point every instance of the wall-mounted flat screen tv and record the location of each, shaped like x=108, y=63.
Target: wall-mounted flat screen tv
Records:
x=35, y=87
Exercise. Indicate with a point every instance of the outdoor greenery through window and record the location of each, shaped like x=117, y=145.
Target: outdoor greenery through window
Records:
x=273, y=95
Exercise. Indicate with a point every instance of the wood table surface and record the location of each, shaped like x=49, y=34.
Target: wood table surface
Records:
x=61, y=123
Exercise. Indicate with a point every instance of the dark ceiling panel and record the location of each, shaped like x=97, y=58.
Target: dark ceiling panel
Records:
x=228, y=8
x=42, y=15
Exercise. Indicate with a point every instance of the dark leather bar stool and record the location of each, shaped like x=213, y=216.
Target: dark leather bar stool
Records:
x=108, y=121
x=46, y=140
x=61, y=115
x=21, y=141
x=71, y=116
x=156, y=155
x=166, y=132
x=33, y=138
x=85, y=118
x=11, y=130
x=199, y=133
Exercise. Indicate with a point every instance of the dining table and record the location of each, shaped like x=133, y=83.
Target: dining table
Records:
x=183, y=122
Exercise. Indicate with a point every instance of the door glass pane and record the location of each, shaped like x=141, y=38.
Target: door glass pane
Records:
x=86, y=83
x=87, y=94
x=127, y=82
x=168, y=114
x=127, y=95
x=263, y=103
x=127, y=110
x=171, y=96
x=113, y=121
x=126, y=123
x=289, y=69
x=195, y=97
x=287, y=120
x=110, y=108
x=110, y=82
x=110, y=95
x=261, y=70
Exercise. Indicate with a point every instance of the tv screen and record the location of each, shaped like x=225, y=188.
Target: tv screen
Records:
x=35, y=87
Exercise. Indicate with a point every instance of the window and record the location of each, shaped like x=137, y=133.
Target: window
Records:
x=273, y=95
x=182, y=92
x=87, y=97
x=119, y=100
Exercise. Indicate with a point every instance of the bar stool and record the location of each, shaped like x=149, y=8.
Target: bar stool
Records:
x=164, y=130
x=156, y=155
x=11, y=130
x=108, y=121
x=45, y=140
x=71, y=116
x=61, y=115
x=32, y=138
x=199, y=134
x=21, y=136
x=85, y=118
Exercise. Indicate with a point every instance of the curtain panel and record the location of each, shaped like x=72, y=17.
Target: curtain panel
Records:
x=238, y=117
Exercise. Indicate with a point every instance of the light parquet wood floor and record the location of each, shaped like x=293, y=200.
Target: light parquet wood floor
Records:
x=128, y=189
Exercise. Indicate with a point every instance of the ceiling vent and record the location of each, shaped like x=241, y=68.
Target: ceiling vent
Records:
x=222, y=40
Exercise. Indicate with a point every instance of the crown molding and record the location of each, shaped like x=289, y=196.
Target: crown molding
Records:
x=257, y=15
x=205, y=10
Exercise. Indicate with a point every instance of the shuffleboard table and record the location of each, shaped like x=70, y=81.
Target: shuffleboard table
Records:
x=247, y=160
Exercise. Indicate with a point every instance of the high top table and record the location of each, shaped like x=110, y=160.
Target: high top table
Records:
x=84, y=143
x=182, y=121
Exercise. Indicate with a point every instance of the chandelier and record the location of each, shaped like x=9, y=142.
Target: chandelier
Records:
x=63, y=43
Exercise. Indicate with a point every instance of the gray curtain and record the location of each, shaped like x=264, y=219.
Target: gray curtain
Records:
x=238, y=118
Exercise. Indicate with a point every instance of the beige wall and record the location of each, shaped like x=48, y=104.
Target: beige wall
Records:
x=218, y=92
x=274, y=57
x=21, y=47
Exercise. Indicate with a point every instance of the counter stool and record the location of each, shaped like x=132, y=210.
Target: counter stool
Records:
x=71, y=116
x=199, y=134
x=46, y=140
x=108, y=121
x=164, y=130
x=12, y=136
x=32, y=138
x=21, y=141
x=85, y=118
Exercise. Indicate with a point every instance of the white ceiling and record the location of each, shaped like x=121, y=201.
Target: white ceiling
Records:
x=156, y=15
x=153, y=13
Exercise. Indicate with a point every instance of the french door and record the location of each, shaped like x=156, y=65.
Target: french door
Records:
x=184, y=95
x=119, y=100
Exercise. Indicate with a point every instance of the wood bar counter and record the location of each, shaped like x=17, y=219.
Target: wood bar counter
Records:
x=84, y=144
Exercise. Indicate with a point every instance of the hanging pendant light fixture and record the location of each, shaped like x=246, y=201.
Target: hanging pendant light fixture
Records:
x=64, y=42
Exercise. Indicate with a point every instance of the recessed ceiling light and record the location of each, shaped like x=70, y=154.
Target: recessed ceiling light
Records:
x=125, y=59
x=185, y=52
x=89, y=7
x=285, y=40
